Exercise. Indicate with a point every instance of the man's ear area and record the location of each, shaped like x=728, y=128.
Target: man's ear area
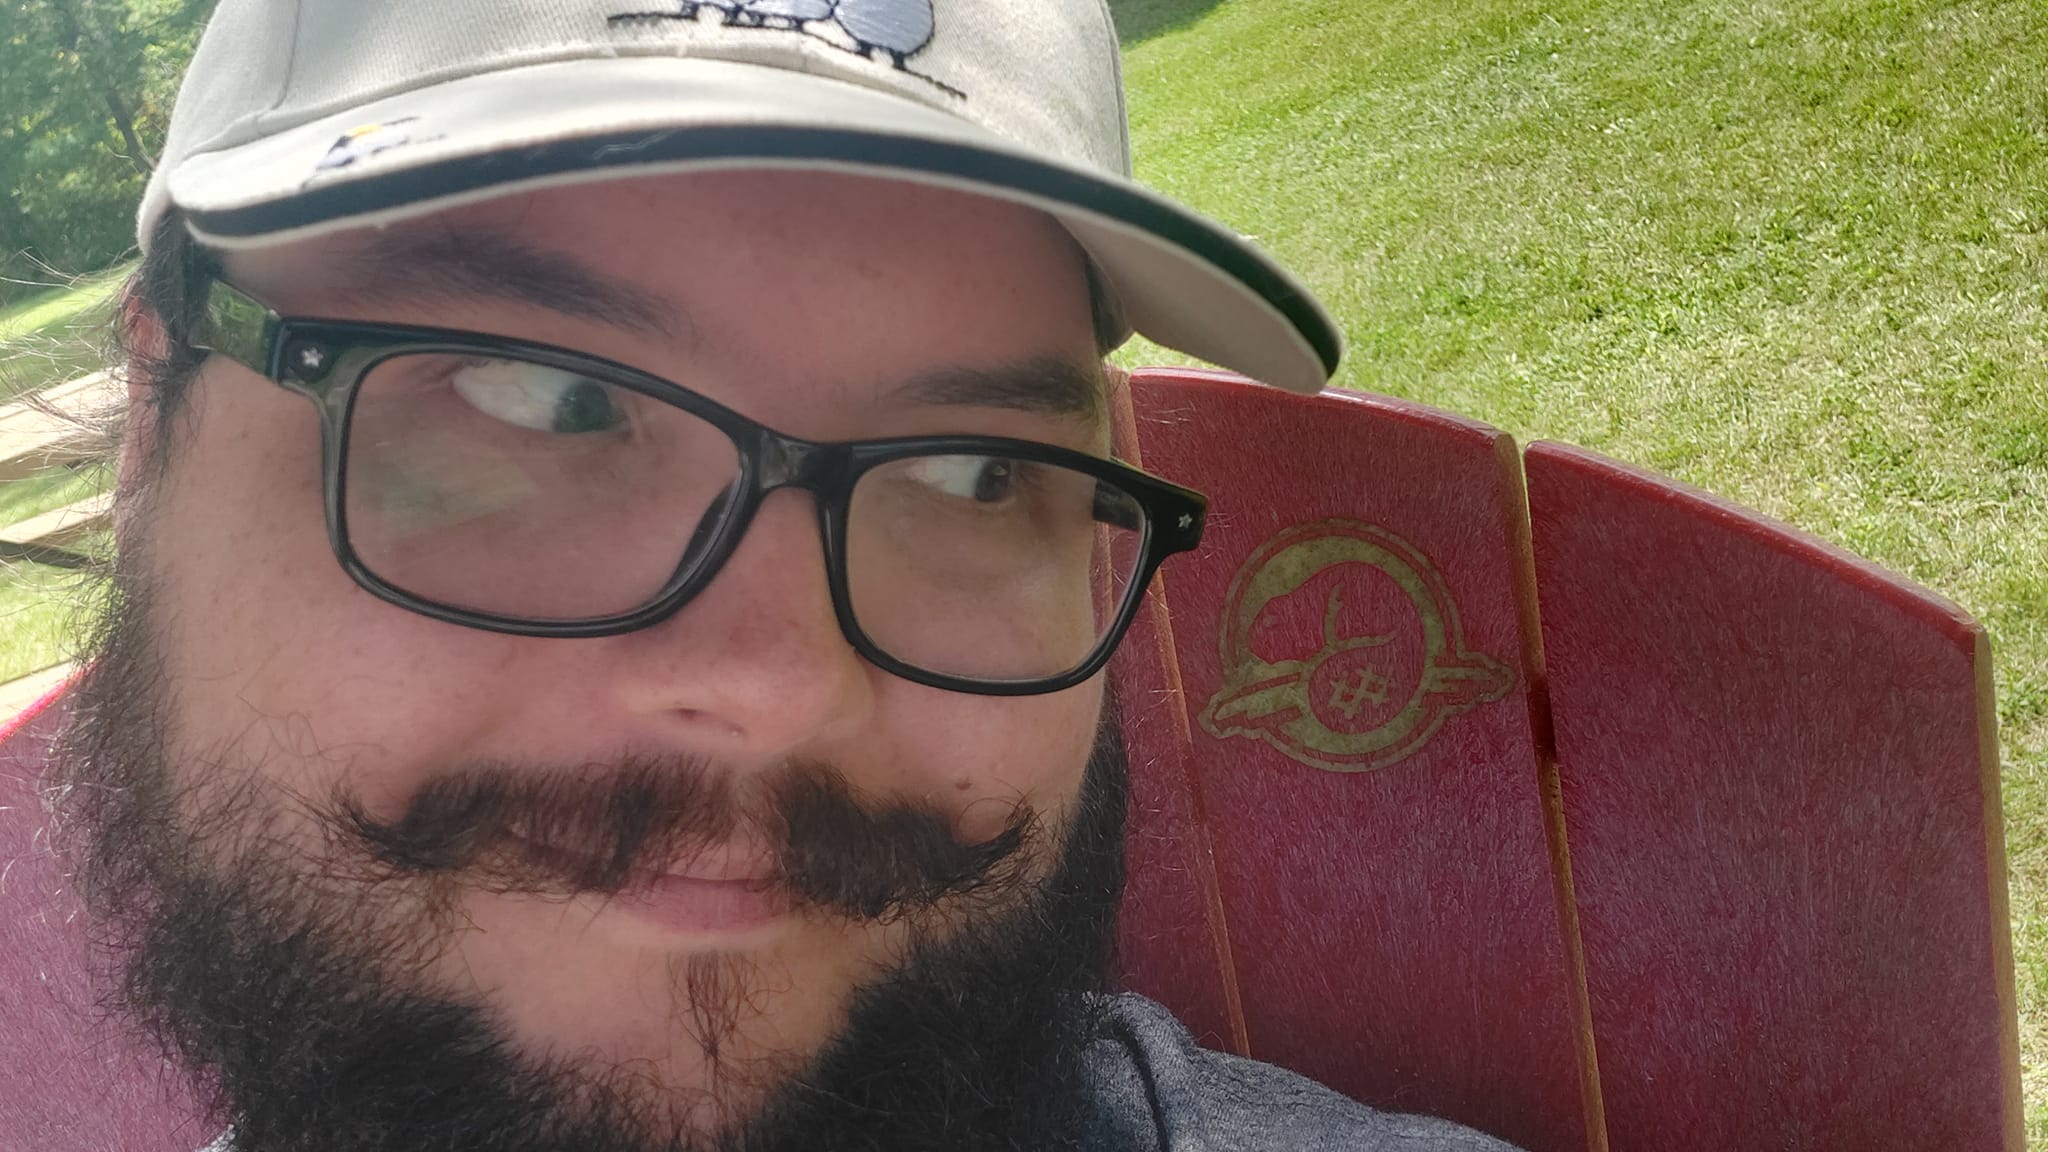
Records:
x=136, y=429
x=143, y=337
x=145, y=345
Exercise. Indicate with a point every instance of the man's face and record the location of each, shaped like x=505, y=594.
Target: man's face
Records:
x=300, y=711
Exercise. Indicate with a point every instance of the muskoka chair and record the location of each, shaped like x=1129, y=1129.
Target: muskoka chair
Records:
x=1596, y=813
x=1678, y=830
x=71, y=1079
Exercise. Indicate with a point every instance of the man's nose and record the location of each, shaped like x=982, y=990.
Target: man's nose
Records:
x=755, y=665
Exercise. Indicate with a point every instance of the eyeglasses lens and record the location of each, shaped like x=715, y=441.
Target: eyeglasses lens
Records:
x=989, y=568
x=522, y=490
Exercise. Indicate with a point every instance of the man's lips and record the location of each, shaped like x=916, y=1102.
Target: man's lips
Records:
x=726, y=888
x=719, y=889
x=688, y=904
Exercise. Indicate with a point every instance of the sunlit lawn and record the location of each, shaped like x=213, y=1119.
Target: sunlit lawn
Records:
x=45, y=491
x=1794, y=253
x=35, y=605
x=56, y=334
x=35, y=599
x=46, y=339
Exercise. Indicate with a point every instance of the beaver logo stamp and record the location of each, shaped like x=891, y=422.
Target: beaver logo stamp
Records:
x=1342, y=649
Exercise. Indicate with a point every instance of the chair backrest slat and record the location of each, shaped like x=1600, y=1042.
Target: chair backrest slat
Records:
x=1357, y=697
x=1780, y=778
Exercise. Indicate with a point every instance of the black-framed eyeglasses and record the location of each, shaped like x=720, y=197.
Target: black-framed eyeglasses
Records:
x=524, y=488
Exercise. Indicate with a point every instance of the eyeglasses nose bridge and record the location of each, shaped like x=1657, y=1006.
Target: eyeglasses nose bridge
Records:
x=781, y=461
x=786, y=462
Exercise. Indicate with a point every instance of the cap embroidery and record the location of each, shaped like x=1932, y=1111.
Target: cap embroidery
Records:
x=365, y=141
x=896, y=30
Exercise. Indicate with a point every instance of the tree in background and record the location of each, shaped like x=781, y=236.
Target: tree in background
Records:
x=85, y=90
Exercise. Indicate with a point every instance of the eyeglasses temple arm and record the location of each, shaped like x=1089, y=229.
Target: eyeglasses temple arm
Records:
x=240, y=329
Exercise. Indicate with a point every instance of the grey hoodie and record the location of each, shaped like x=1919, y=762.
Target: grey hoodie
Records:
x=1156, y=1091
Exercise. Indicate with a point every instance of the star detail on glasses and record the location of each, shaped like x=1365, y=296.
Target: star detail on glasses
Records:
x=312, y=359
x=1186, y=522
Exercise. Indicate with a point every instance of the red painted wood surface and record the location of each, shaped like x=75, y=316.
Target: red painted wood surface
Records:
x=1363, y=754
x=1173, y=920
x=1173, y=924
x=1781, y=793
x=70, y=1081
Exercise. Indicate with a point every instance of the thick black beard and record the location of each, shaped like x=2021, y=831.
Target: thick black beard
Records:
x=303, y=1027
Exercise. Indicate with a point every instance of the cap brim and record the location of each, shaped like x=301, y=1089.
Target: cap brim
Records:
x=1181, y=279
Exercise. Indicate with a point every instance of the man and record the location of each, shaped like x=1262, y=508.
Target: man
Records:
x=617, y=552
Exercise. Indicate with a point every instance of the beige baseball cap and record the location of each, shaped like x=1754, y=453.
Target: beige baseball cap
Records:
x=302, y=117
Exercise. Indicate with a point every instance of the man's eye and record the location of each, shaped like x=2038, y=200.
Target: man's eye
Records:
x=537, y=397
x=984, y=479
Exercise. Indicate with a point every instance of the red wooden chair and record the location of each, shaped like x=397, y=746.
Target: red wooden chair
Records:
x=1606, y=815
x=71, y=1080
x=1678, y=831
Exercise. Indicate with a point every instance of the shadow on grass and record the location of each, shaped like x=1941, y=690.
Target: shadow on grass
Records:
x=1141, y=20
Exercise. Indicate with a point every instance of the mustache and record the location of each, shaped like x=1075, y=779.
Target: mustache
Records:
x=599, y=831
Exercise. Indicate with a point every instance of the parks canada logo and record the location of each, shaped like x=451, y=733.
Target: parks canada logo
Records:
x=1342, y=649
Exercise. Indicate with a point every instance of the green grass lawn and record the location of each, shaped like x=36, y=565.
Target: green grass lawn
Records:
x=57, y=334
x=46, y=491
x=35, y=606
x=35, y=598
x=46, y=339
x=1793, y=253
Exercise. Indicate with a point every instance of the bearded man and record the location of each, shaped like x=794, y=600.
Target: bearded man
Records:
x=617, y=550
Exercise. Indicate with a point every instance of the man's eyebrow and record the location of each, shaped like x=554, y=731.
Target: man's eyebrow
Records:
x=467, y=262
x=1046, y=386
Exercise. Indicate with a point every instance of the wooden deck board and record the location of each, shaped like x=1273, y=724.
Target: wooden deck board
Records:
x=17, y=695
x=53, y=537
x=33, y=438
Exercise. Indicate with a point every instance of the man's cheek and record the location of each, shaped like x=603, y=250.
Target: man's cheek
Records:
x=316, y=696
x=1035, y=753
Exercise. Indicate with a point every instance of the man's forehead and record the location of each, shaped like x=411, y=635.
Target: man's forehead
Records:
x=626, y=255
x=483, y=261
